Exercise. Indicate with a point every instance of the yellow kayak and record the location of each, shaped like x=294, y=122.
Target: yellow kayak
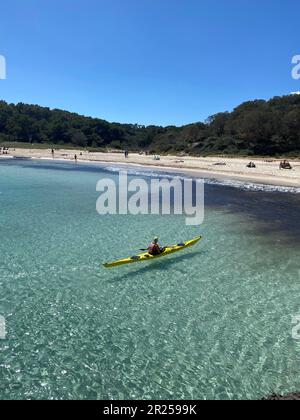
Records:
x=147, y=257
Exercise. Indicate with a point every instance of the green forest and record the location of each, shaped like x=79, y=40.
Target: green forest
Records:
x=265, y=128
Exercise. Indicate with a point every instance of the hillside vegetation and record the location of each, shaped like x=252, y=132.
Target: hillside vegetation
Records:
x=253, y=128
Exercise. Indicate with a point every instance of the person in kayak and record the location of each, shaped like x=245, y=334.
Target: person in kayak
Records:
x=154, y=248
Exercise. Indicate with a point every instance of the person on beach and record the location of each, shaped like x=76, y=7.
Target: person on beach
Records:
x=285, y=165
x=75, y=158
x=52, y=152
x=154, y=248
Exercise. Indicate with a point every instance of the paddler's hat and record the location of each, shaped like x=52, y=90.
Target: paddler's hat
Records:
x=156, y=239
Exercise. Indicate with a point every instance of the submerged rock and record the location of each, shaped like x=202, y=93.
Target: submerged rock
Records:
x=290, y=397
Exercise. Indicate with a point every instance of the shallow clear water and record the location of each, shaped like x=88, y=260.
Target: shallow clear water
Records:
x=213, y=322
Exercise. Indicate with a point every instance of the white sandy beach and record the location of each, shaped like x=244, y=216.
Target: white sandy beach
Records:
x=266, y=172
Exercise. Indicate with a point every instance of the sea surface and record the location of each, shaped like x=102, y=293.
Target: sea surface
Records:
x=214, y=322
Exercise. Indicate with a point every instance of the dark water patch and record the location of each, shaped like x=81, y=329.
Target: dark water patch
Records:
x=275, y=213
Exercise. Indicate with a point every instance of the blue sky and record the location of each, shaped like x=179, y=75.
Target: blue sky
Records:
x=148, y=61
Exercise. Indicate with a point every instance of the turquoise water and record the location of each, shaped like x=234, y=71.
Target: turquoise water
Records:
x=214, y=322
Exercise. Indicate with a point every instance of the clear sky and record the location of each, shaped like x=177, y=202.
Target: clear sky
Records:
x=148, y=61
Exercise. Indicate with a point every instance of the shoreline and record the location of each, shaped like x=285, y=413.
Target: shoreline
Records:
x=266, y=173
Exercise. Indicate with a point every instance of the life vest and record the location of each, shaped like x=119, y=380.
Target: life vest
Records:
x=154, y=249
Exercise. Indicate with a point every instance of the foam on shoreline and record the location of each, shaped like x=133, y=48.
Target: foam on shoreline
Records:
x=243, y=185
